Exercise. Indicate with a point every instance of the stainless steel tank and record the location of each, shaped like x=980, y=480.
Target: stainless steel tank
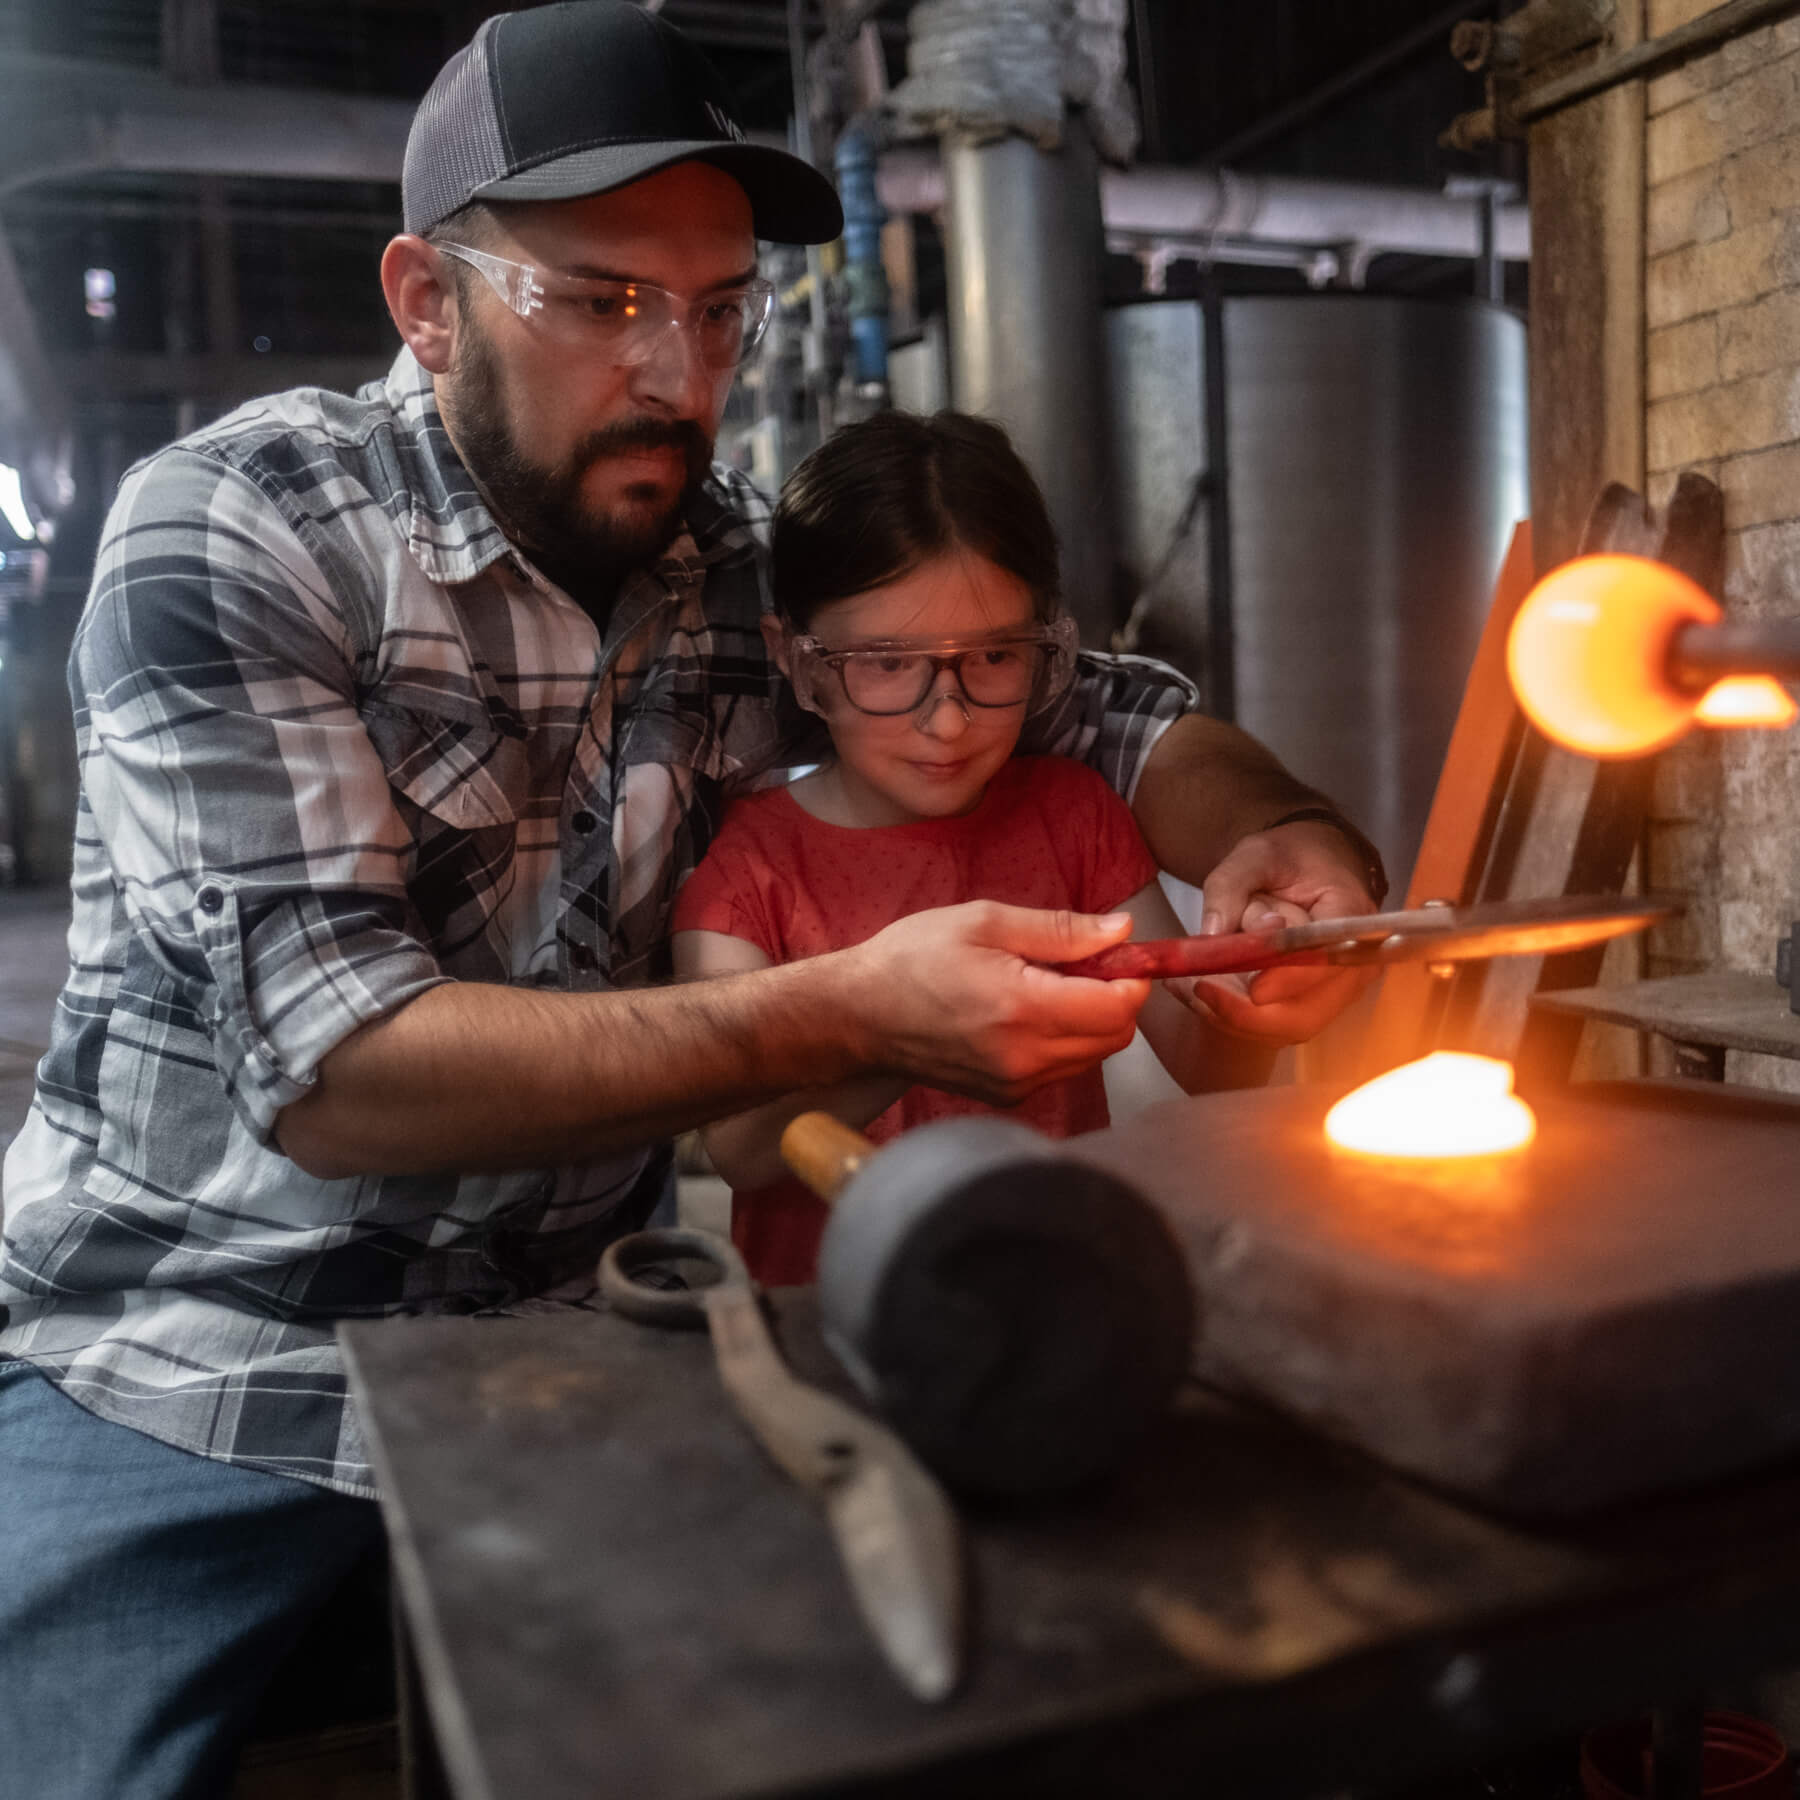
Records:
x=1377, y=465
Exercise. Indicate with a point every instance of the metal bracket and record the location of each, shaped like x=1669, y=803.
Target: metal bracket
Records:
x=1502, y=51
x=1787, y=956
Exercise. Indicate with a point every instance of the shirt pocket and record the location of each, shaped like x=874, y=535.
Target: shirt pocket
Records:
x=462, y=766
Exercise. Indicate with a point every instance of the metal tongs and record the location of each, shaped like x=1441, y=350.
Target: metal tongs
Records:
x=1425, y=934
x=897, y=1536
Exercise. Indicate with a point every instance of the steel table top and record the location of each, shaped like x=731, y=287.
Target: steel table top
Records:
x=609, y=1590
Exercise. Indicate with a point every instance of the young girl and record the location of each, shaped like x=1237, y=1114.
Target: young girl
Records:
x=916, y=585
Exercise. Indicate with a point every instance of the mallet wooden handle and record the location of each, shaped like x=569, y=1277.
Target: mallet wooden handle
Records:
x=824, y=1152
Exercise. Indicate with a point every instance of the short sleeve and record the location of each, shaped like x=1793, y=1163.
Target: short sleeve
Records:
x=727, y=893
x=246, y=814
x=1115, y=861
x=1112, y=715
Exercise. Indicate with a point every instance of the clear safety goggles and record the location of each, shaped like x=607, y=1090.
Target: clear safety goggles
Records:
x=626, y=322
x=888, y=679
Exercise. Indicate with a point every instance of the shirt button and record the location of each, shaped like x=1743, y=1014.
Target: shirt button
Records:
x=584, y=822
x=210, y=900
x=583, y=958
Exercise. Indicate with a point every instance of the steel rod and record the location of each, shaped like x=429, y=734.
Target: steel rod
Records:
x=1221, y=600
x=1658, y=57
x=1701, y=654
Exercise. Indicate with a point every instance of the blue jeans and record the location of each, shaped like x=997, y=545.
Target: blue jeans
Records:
x=146, y=1598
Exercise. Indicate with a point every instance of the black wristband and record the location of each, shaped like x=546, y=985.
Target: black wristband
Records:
x=1374, y=870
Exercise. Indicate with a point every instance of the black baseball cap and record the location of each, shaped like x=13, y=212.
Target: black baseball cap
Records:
x=584, y=96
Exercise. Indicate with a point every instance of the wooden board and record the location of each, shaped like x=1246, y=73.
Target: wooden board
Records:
x=1464, y=808
x=1587, y=303
x=1735, y=1009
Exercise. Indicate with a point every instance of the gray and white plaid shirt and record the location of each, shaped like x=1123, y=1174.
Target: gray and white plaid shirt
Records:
x=341, y=742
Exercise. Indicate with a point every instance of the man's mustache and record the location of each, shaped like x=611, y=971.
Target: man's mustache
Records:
x=627, y=435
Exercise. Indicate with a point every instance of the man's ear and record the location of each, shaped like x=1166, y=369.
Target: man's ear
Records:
x=775, y=637
x=420, y=300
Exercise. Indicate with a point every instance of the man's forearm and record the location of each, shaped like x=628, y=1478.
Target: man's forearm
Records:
x=470, y=1076
x=1205, y=786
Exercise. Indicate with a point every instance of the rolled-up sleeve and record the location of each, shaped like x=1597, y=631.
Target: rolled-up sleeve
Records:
x=1111, y=716
x=245, y=813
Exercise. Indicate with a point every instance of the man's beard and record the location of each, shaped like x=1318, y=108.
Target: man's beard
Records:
x=540, y=507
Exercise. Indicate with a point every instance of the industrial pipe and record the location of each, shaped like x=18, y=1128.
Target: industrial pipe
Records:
x=1201, y=206
x=1699, y=36
x=864, y=273
x=1022, y=250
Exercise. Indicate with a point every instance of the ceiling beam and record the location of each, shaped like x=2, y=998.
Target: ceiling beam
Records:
x=91, y=376
x=1288, y=119
x=62, y=116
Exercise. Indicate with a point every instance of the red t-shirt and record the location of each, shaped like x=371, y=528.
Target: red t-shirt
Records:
x=1047, y=833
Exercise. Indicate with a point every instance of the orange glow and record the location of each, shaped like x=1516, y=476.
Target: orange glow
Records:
x=1588, y=654
x=1747, y=700
x=1446, y=1104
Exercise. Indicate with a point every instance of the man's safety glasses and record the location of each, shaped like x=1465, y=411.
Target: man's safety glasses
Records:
x=626, y=322
x=887, y=680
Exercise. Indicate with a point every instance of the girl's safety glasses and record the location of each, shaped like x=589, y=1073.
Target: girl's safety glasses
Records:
x=626, y=322
x=889, y=679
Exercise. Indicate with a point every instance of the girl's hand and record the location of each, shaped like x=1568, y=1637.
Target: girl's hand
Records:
x=1271, y=1006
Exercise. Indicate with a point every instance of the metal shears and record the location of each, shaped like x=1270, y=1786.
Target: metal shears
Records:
x=896, y=1533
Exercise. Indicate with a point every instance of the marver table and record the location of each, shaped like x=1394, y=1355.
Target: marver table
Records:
x=608, y=1591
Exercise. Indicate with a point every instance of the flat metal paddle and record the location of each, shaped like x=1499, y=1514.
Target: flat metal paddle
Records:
x=896, y=1533
x=1424, y=934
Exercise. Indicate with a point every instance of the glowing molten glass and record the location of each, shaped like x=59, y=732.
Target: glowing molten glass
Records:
x=1446, y=1104
x=1589, y=654
x=1747, y=700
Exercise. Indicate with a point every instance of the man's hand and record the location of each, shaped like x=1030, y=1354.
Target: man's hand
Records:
x=1289, y=875
x=1201, y=802
x=957, y=998
x=1310, y=865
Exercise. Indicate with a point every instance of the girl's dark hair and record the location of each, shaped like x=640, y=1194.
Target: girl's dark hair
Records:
x=884, y=496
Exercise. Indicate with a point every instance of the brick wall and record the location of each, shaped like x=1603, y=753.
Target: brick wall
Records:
x=1722, y=313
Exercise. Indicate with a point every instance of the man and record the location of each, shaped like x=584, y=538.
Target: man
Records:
x=401, y=719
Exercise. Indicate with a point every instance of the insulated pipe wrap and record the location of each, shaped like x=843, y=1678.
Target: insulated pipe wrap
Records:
x=983, y=68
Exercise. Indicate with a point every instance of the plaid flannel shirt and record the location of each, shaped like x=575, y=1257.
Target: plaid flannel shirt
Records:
x=340, y=742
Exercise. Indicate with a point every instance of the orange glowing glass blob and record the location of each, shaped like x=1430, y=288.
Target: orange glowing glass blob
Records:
x=1445, y=1104
x=1747, y=700
x=1588, y=654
